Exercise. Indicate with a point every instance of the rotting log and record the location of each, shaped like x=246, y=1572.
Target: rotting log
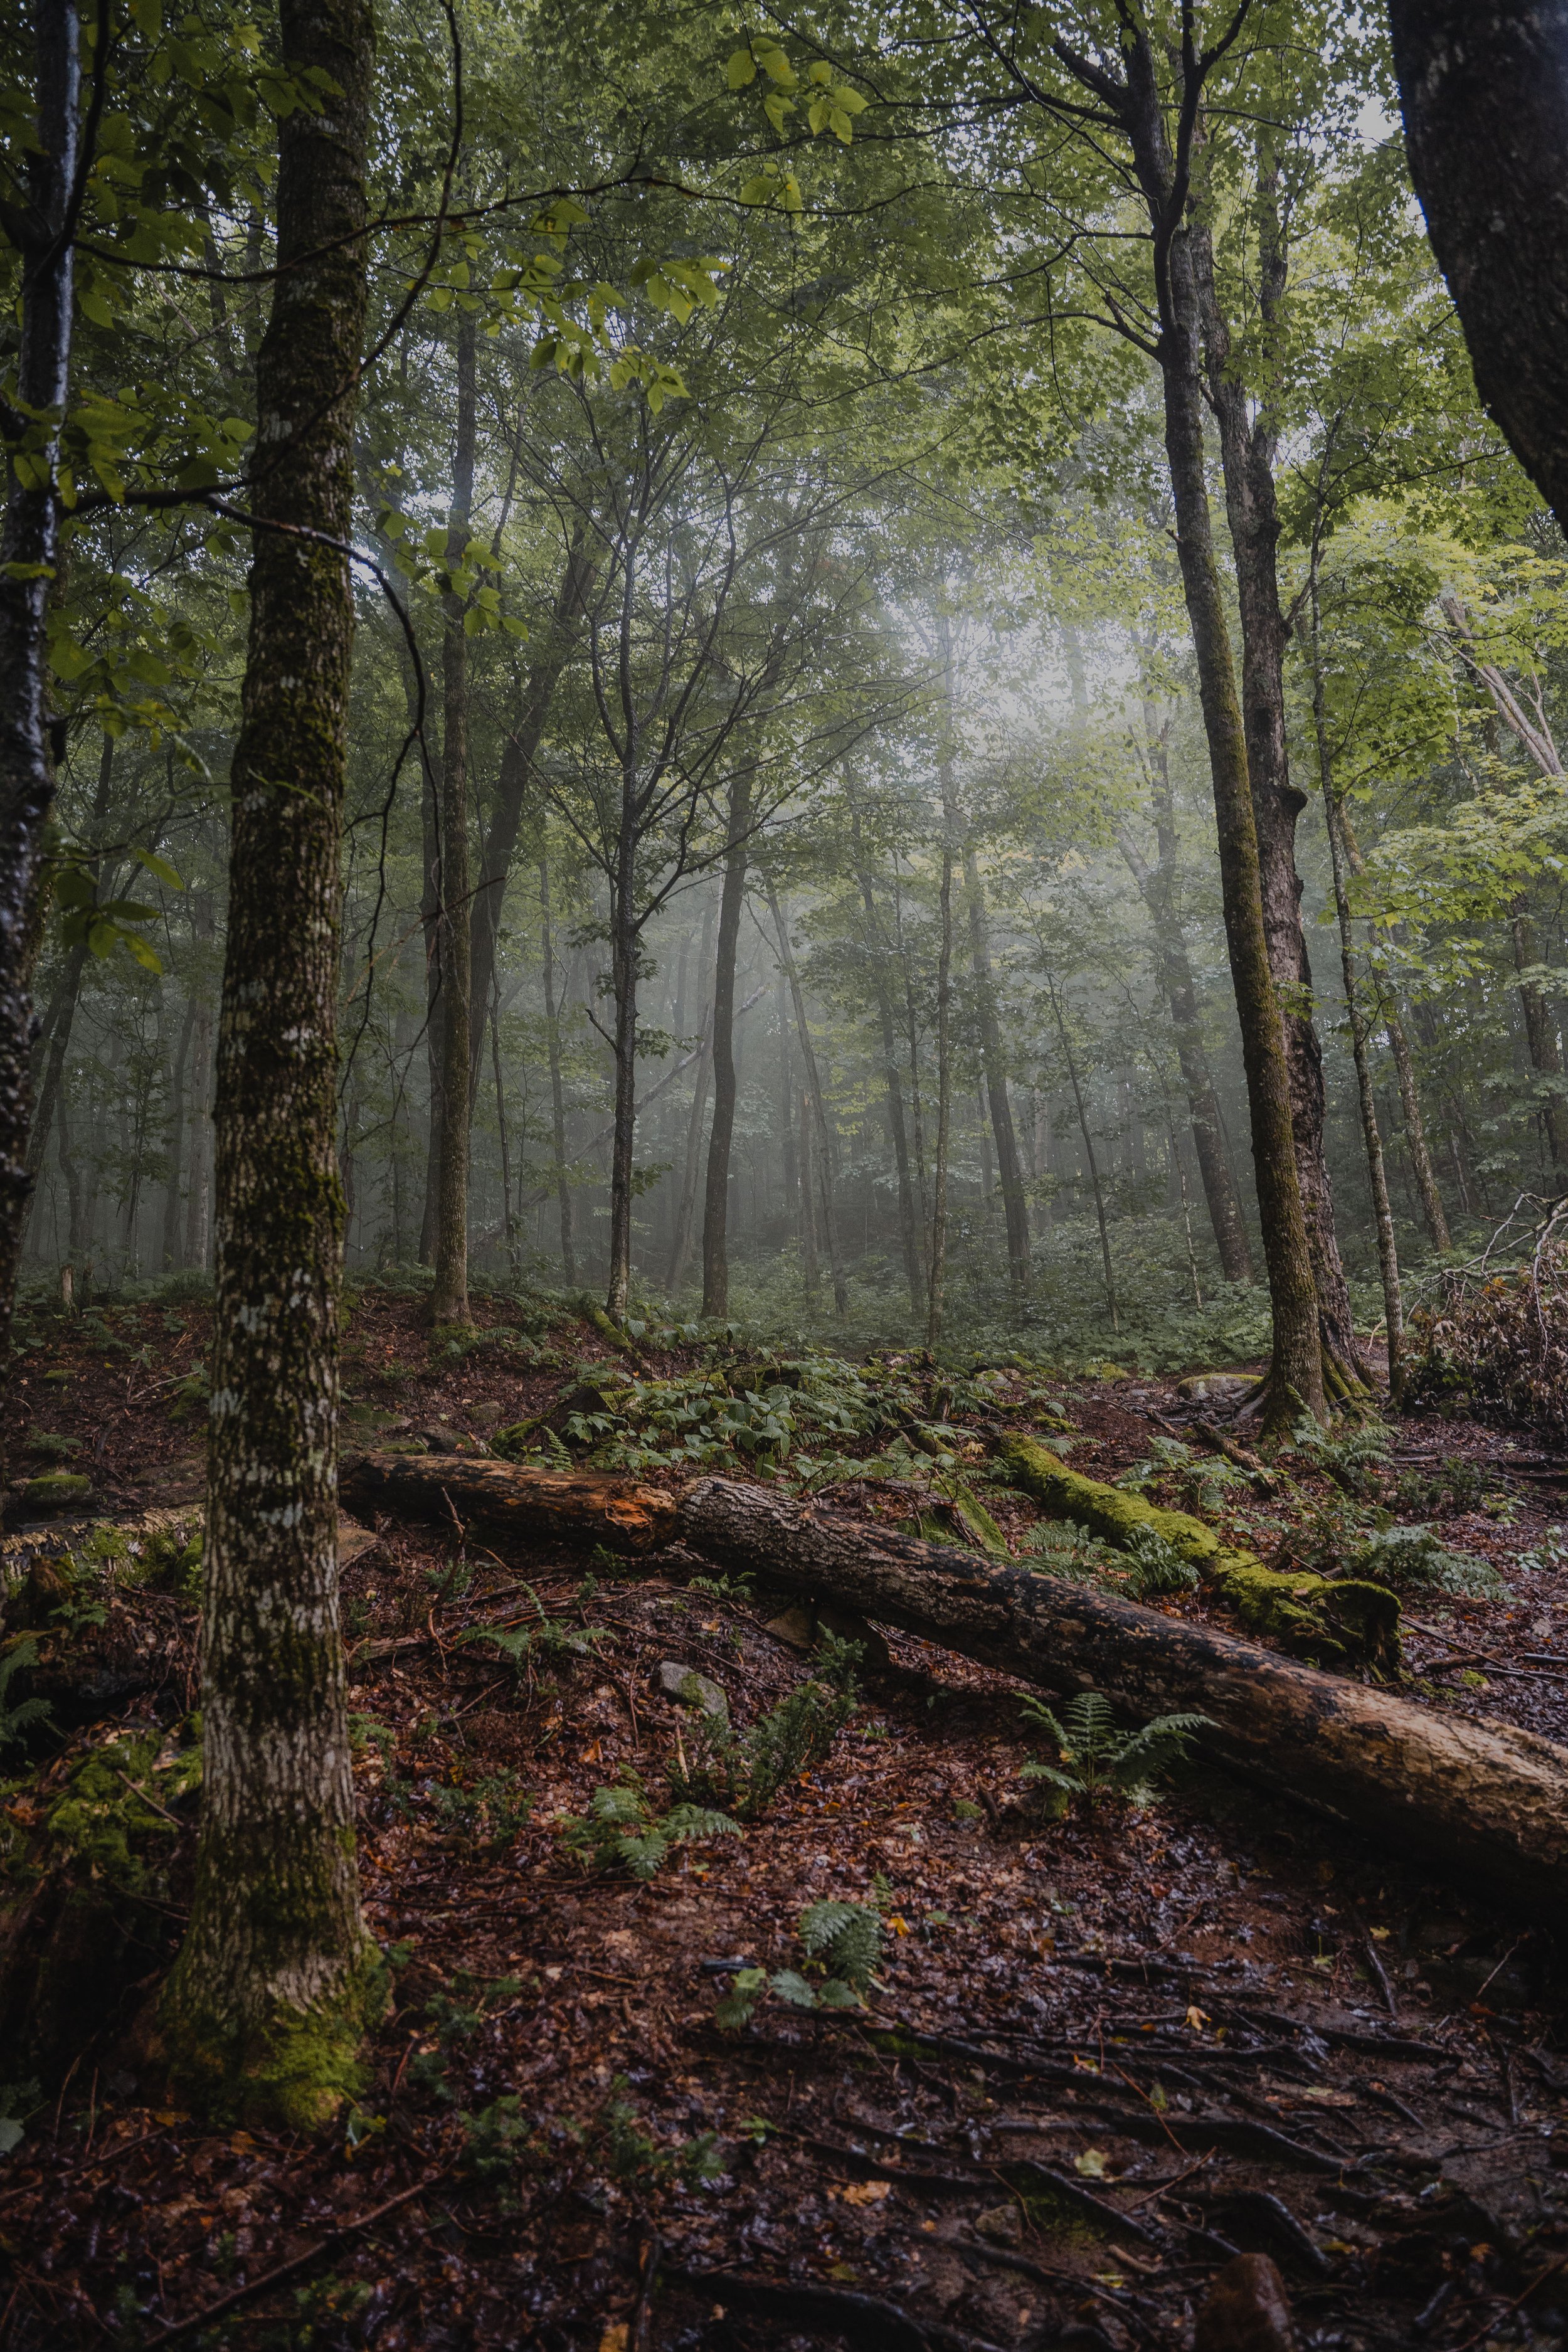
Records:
x=1326, y=1618
x=1485, y=1806
x=576, y=1506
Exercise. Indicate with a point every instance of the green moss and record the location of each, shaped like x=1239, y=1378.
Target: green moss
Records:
x=113, y=1814
x=1334, y=1621
x=292, y=2068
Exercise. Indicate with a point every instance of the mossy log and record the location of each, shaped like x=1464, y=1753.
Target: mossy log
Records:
x=579, y=1507
x=1330, y=1619
x=1485, y=1806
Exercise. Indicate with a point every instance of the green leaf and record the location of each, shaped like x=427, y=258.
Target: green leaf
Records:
x=741, y=69
x=159, y=867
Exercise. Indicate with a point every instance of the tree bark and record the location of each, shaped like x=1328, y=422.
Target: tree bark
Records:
x=169, y=1249
x=559, y=1506
x=1088, y=1153
x=198, y=1204
x=1541, y=1041
x=450, y=1299
x=1485, y=1806
x=277, y=1978
x=29, y=555
x=1157, y=887
x=511, y=794
x=1247, y=445
x=1431, y=1199
x=557, y=1093
x=1484, y=94
x=909, y=1219
x=944, y=1100
x=716, y=1193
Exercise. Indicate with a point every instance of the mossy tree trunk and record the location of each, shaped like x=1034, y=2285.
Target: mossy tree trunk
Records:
x=993, y=1063
x=450, y=1299
x=557, y=1089
x=269, y=1996
x=40, y=229
x=1163, y=174
x=1248, y=434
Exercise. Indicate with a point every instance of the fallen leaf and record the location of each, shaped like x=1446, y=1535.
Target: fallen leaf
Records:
x=865, y=2192
x=1197, y=2019
x=168, y=2117
x=1091, y=2164
x=617, y=2337
x=1381, y=1934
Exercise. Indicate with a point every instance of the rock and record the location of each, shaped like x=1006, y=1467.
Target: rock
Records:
x=795, y=1628
x=1202, y=1386
x=692, y=1689
x=57, y=1490
x=1248, y=2310
x=1001, y=2225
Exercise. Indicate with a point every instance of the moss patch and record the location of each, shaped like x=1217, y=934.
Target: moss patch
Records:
x=292, y=2067
x=57, y=1490
x=1312, y=1616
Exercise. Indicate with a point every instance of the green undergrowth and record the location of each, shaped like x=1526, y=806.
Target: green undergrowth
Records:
x=841, y=1945
x=1096, y=1758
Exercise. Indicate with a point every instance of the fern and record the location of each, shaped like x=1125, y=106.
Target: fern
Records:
x=843, y=1943
x=743, y=1771
x=1416, y=1555
x=16, y=1720
x=1097, y=1757
x=547, y=1637
x=621, y=1830
x=1157, y=1565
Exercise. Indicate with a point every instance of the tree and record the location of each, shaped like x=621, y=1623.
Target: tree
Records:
x=277, y=1978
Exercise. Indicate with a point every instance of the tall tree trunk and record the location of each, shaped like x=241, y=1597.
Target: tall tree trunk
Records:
x=716, y=1192
x=810, y=1278
x=1157, y=887
x=943, y=1102
x=449, y=1299
x=511, y=789
x=169, y=1249
x=1377, y=1176
x=824, y=1151
x=557, y=1091
x=1247, y=445
x=277, y=1978
x=29, y=548
x=692, y=1166
x=1416, y=1142
x=55, y=1042
x=994, y=1062
x=509, y=1230
x=1296, y=1373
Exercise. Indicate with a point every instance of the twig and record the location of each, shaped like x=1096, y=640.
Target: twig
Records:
x=653, y=2254
x=1539, y=2280
x=281, y=2271
x=146, y=1799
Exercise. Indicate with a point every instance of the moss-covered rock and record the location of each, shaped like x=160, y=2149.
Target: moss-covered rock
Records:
x=57, y=1490
x=1314, y=1616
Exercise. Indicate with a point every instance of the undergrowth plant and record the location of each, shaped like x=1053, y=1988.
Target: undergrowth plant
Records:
x=842, y=1943
x=1097, y=1759
x=17, y=1717
x=621, y=1830
x=541, y=1637
x=743, y=1771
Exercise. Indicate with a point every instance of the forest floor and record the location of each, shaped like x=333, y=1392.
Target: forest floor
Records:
x=1102, y=2053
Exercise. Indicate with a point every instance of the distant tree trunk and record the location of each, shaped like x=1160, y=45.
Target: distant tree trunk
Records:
x=810, y=1277
x=822, y=1153
x=55, y=1042
x=624, y=957
x=1377, y=1176
x=29, y=544
x=449, y=1299
x=512, y=791
x=1157, y=887
x=691, y=1165
x=1484, y=93
x=1249, y=434
x=789, y=1166
x=716, y=1193
x=1540, y=1036
x=169, y=1250
x=277, y=1978
x=1416, y=1142
x=508, y=1234
x=943, y=1103
x=994, y=1061
x=908, y=1220
x=557, y=1091
x=1088, y=1153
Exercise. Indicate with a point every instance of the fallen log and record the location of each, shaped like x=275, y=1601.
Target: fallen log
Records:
x=1487, y=1806
x=576, y=1506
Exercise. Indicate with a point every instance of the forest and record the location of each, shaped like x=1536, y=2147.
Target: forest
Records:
x=783, y=1176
